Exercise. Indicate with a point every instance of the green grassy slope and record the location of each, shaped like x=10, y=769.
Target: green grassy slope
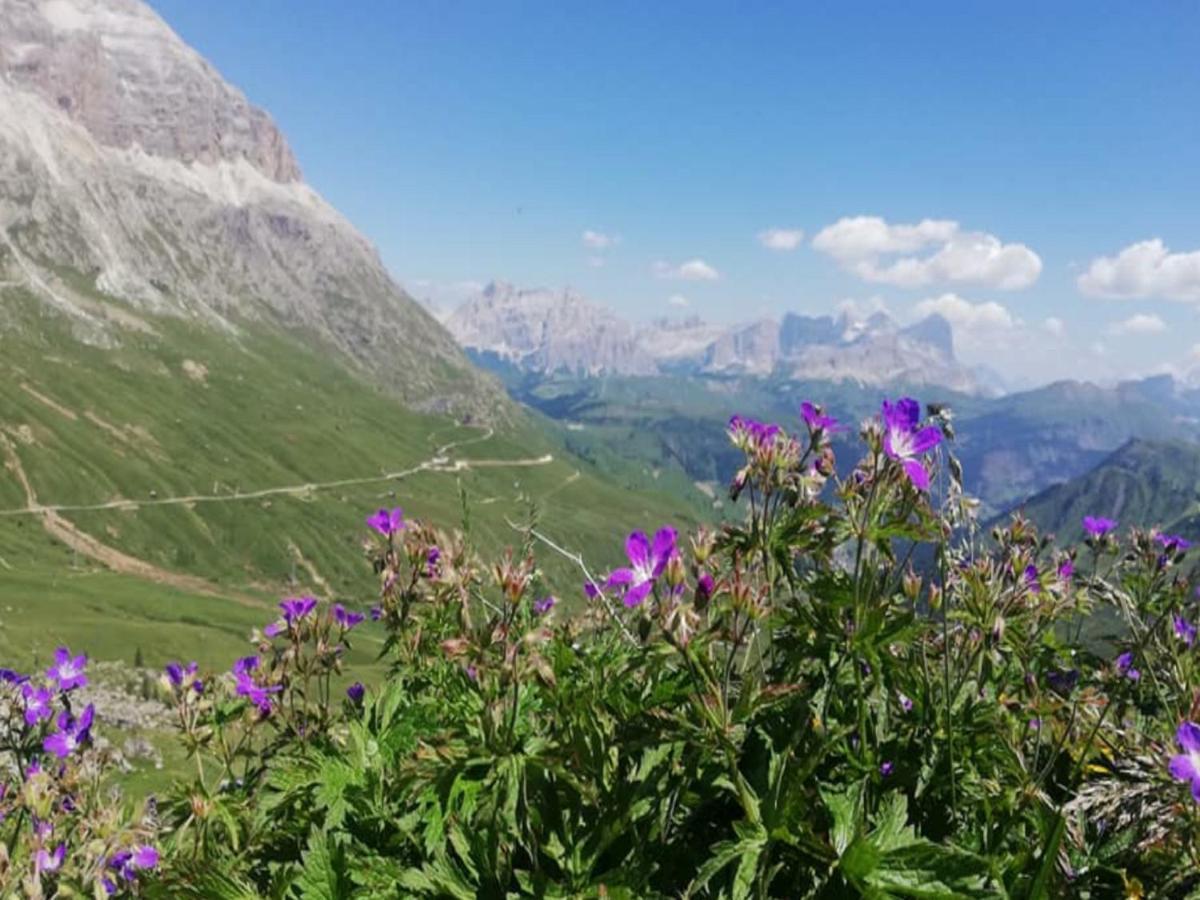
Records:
x=1145, y=483
x=97, y=425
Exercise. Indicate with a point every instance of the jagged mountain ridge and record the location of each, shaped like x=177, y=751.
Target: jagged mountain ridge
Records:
x=550, y=332
x=127, y=159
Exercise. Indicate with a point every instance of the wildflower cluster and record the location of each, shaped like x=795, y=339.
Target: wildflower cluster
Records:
x=854, y=691
x=60, y=836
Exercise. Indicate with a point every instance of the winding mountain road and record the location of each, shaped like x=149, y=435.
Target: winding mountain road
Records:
x=439, y=462
x=62, y=529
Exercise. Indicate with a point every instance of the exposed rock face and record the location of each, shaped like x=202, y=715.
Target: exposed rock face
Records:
x=116, y=69
x=545, y=331
x=124, y=156
x=548, y=331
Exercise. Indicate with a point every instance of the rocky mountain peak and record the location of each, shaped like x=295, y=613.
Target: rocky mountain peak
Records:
x=117, y=69
x=129, y=163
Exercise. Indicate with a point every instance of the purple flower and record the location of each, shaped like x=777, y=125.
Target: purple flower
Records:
x=886, y=768
x=1031, y=579
x=67, y=671
x=37, y=704
x=245, y=665
x=1173, y=543
x=543, y=606
x=705, y=585
x=274, y=629
x=376, y=613
x=297, y=608
x=1185, y=766
x=904, y=442
x=1066, y=570
x=1185, y=630
x=816, y=419
x=71, y=734
x=11, y=676
x=145, y=857
x=177, y=672
x=1097, y=526
x=590, y=590
x=387, y=523
x=906, y=703
x=750, y=434
x=128, y=862
x=49, y=862
x=346, y=618
x=431, y=562
x=646, y=563
x=121, y=862
x=257, y=694
x=1125, y=666
x=355, y=692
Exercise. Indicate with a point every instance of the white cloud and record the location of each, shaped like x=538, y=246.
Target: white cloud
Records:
x=963, y=314
x=978, y=328
x=1055, y=326
x=1098, y=348
x=1141, y=270
x=678, y=300
x=596, y=262
x=877, y=251
x=598, y=240
x=1139, y=324
x=781, y=238
x=692, y=270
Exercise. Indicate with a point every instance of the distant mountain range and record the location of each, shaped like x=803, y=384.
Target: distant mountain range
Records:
x=561, y=332
x=1143, y=483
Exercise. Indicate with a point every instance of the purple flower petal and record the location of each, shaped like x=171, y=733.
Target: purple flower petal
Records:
x=1183, y=767
x=917, y=474
x=1188, y=736
x=636, y=594
x=1097, y=526
x=926, y=439
x=1185, y=630
x=618, y=577
x=637, y=549
x=664, y=546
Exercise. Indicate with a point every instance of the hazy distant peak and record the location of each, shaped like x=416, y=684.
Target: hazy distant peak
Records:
x=548, y=331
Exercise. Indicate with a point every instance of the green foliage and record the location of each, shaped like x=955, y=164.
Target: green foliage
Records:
x=178, y=410
x=788, y=710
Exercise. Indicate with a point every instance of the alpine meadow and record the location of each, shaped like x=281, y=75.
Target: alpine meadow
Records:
x=629, y=451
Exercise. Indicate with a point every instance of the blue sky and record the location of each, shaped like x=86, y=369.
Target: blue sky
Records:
x=478, y=140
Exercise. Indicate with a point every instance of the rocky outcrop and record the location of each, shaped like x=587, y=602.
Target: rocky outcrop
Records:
x=124, y=157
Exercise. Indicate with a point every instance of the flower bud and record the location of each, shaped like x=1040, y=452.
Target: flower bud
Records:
x=935, y=597
x=675, y=574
